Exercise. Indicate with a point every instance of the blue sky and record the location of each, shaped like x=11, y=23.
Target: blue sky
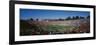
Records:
x=50, y=14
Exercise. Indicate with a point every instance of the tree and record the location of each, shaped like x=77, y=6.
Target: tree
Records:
x=61, y=19
x=31, y=19
x=37, y=19
x=88, y=17
x=77, y=17
x=73, y=18
x=68, y=18
x=81, y=17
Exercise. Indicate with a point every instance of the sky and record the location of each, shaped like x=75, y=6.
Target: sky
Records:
x=50, y=14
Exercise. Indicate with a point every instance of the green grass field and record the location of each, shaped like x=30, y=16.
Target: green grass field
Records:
x=57, y=28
